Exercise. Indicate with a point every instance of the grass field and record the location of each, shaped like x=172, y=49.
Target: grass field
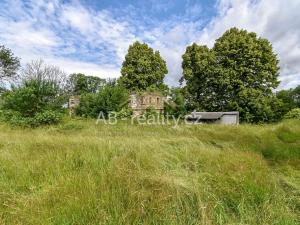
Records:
x=83, y=173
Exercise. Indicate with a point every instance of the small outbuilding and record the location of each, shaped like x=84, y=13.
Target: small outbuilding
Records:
x=229, y=118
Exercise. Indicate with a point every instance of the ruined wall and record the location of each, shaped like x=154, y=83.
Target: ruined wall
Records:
x=142, y=101
x=73, y=104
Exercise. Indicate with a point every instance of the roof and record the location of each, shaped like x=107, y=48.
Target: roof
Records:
x=210, y=115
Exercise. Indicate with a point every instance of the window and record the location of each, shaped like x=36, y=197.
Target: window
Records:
x=157, y=100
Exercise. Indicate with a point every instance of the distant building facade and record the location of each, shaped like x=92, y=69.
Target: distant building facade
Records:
x=140, y=102
x=229, y=118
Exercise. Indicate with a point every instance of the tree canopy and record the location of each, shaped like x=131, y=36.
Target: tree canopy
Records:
x=9, y=64
x=238, y=73
x=290, y=98
x=111, y=98
x=143, y=68
x=39, y=98
x=79, y=84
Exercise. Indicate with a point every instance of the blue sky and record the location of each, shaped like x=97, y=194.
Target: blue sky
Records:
x=92, y=36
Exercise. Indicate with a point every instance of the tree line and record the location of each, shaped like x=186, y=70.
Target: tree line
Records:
x=239, y=73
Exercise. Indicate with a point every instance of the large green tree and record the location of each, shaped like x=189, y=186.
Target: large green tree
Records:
x=238, y=73
x=9, y=64
x=143, y=68
x=79, y=84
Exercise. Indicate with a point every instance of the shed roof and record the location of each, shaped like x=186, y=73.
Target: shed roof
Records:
x=210, y=115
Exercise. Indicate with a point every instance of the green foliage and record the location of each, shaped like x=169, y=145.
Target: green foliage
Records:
x=38, y=100
x=79, y=84
x=151, y=112
x=143, y=68
x=125, y=112
x=290, y=98
x=176, y=103
x=254, y=106
x=109, y=99
x=46, y=117
x=238, y=73
x=88, y=106
x=32, y=97
x=293, y=114
x=9, y=64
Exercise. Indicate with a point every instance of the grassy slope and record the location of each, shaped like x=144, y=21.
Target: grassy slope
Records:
x=82, y=173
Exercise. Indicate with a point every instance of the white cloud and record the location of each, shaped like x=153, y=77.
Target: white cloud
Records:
x=78, y=17
x=66, y=36
x=73, y=66
x=82, y=39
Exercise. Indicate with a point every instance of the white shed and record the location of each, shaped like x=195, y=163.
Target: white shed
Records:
x=229, y=118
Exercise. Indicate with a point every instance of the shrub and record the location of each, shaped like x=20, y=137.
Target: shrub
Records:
x=35, y=102
x=32, y=97
x=15, y=118
x=109, y=99
x=293, y=114
x=150, y=112
x=124, y=113
x=47, y=117
x=87, y=106
x=175, y=106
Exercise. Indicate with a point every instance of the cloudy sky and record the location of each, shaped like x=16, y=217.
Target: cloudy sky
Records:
x=92, y=36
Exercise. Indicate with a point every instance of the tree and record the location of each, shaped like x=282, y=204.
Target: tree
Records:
x=290, y=98
x=175, y=106
x=143, y=68
x=9, y=64
x=108, y=99
x=79, y=84
x=37, y=70
x=199, y=76
x=39, y=95
x=286, y=96
x=238, y=73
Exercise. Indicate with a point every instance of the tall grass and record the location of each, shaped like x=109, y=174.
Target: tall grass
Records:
x=82, y=173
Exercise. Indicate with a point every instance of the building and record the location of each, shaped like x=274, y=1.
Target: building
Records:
x=140, y=102
x=73, y=104
x=229, y=118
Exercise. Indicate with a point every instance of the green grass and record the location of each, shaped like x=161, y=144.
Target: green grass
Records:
x=82, y=173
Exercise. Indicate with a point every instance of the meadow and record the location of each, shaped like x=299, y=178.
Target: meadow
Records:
x=81, y=173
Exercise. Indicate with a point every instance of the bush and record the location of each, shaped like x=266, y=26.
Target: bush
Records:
x=124, y=113
x=109, y=99
x=33, y=103
x=33, y=97
x=43, y=118
x=293, y=114
x=47, y=117
x=175, y=106
x=151, y=112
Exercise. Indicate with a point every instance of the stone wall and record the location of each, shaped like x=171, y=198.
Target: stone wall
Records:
x=140, y=102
